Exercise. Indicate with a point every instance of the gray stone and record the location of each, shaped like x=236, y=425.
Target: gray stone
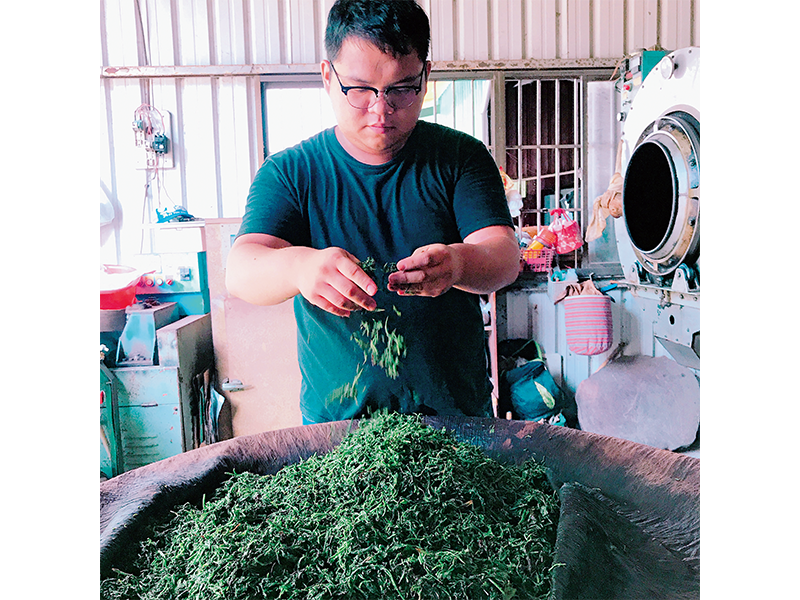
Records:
x=653, y=401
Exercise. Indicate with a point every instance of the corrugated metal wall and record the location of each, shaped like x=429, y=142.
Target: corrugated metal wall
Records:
x=558, y=29
x=202, y=61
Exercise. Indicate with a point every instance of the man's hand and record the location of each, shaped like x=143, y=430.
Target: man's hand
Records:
x=266, y=270
x=486, y=261
x=332, y=280
x=429, y=271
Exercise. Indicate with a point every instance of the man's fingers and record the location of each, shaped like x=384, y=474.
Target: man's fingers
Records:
x=354, y=273
x=325, y=305
x=404, y=278
x=335, y=283
x=346, y=288
x=429, y=271
x=422, y=258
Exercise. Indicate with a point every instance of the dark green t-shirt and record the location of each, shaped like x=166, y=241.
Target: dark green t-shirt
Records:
x=442, y=186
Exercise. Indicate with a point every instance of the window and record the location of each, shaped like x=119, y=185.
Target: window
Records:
x=543, y=146
x=551, y=120
x=292, y=112
x=461, y=104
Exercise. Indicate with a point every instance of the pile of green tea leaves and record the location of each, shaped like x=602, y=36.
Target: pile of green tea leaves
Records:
x=397, y=510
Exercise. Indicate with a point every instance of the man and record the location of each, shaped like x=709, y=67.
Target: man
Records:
x=424, y=200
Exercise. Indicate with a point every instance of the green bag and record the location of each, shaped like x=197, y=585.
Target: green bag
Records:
x=530, y=388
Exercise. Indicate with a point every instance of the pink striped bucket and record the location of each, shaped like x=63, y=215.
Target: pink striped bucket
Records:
x=588, y=324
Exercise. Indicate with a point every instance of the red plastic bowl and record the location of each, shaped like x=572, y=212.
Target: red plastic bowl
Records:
x=118, y=298
x=116, y=290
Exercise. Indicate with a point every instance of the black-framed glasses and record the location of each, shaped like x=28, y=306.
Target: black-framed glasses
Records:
x=396, y=96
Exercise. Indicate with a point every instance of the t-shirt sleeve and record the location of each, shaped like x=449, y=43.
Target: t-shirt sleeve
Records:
x=273, y=204
x=479, y=198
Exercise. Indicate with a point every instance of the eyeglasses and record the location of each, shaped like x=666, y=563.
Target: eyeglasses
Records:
x=396, y=96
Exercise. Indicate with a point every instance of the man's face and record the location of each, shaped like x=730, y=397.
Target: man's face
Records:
x=373, y=135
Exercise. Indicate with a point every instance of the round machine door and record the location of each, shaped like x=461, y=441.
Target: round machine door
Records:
x=661, y=194
x=658, y=240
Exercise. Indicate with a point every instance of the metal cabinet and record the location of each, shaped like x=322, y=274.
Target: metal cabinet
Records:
x=110, y=442
x=160, y=407
x=151, y=407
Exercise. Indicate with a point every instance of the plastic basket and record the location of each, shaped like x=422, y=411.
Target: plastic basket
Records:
x=538, y=261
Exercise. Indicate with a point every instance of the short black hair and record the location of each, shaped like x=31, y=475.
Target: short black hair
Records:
x=396, y=27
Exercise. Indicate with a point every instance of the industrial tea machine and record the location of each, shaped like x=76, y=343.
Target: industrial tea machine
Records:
x=659, y=242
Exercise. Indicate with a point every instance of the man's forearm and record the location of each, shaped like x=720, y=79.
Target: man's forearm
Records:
x=487, y=266
x=262, y=275
x=268, y=270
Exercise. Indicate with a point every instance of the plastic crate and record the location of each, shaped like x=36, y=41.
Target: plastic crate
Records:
x=538, y=261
